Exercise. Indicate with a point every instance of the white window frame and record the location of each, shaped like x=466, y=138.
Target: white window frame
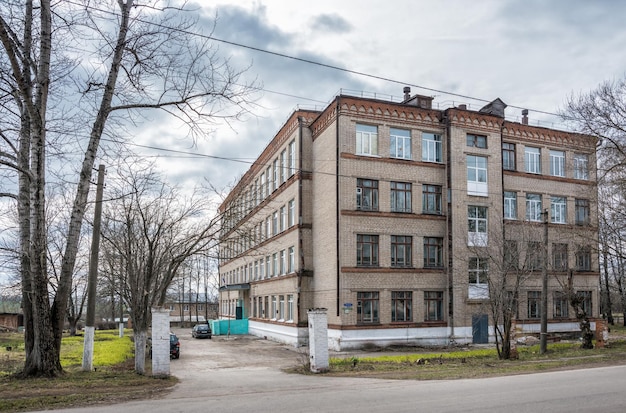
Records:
x=581, y=166
x=292, y=157
x=533, y=207
x=510, y=205
x=283, y=262
x=366, y=140
x=557, y=163
x=477, y=217
x=283, y=218
x=290, y=307
x=479, y=268
x=291, y=214
x=399, y=143
x=532, y=160
x=291, y=267
x=431, y=147
x=558, y=210
x=477, y=175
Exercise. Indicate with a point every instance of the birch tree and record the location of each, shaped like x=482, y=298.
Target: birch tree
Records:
x=103, y=64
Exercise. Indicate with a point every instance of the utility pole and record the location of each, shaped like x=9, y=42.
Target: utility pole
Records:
x=543, y=344
x=93, y=276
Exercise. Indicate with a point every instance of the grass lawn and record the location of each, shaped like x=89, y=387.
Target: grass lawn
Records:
x=113, y=380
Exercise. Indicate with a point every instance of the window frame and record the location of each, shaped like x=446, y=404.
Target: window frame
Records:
x=560, y=257
x=367, y=189
x=368, y=307
x=433, y=246
x=401, y=194
x=560, y=305
x=433, y=298
x=367, y=246
x=478, y=278
x=431, y=199
x=477, y=175
x=533, y=299
x=532, y=160
x=399, y=140
x=401, y=251
x=477, y=225
x=583, y=258
x=476, y=141
x=558, y=209
x=432, y=147
x=401, y=306
x=582, y=211
x=366, y=139
x=510, y=205
x=557, y=163
x=508, y=156
x=534, y=207
x=581, y=166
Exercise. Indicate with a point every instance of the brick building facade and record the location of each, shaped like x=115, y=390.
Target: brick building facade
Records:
x=399, y=218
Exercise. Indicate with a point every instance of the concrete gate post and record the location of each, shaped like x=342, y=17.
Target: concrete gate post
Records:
x=318, y=339
x=160, y=341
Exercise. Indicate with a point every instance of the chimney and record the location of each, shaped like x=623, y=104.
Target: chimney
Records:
x=524, y=116
x=462, y=106
x=407, y=93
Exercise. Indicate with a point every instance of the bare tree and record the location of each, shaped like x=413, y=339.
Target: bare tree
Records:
x=156, y=230
x=132, y=57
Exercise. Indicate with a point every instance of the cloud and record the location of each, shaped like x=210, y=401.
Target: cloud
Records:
x=331, y=22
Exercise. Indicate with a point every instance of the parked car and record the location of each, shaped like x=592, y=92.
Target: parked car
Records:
x=174, y=346
x=201, y=331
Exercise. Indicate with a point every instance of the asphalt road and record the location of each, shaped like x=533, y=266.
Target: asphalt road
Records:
x=244, y=374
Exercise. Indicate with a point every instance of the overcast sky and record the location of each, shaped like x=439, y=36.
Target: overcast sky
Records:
x=530, y=53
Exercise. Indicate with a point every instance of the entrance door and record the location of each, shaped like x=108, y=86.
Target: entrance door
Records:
x=480, y=329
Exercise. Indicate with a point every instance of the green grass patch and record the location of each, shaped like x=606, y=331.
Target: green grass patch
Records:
x=108, y=349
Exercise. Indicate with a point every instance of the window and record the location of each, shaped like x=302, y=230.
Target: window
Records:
x=275, y=172
x=559, y=257
x=268, y=186
x=532, y=160
x=367, y=307
x=431, y=199
x=561, y=305
x=261, y=269
x=275, y=223
x=185, y=307
x=508, y=156
x=583, y=259
x=291, y=213
x=558, y=210
x=584, y=299
x=582, y=212
x=262, y=188
x=283, y=262
x=290, y=307
x=366, y=195
x=476, y=141
x=400, y=143
x=292, y=260
x=268, y=227
x=557, y=163
x=477, y=226
x=510, y=205
x=581, y=166
x=511, y=255
x=533, y=207
x=433, y=252
x=283, y=166
x=534, y=304
x=478, y=283
x=400, y=197
x=401, y=304
x=401, y=251
x=534, y=255
x=433, y=305
x=367, y=250
x=366, y=140
x=274, y=307
x=292, y=158
x=431, y=147
x=268, y=266
x=476, y=175
x=275, y=267
x=281, y=307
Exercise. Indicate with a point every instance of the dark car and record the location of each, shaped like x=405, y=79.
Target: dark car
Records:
x=201, y=331
x=174, y=346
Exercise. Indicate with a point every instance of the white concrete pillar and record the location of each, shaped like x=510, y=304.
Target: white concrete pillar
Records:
x=160, y=341
x=318, y=339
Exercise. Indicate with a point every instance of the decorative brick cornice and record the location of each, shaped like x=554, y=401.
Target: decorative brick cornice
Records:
x=545, y=136
x=468, y=119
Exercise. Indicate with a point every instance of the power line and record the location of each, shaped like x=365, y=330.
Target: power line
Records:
x=309, y=61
